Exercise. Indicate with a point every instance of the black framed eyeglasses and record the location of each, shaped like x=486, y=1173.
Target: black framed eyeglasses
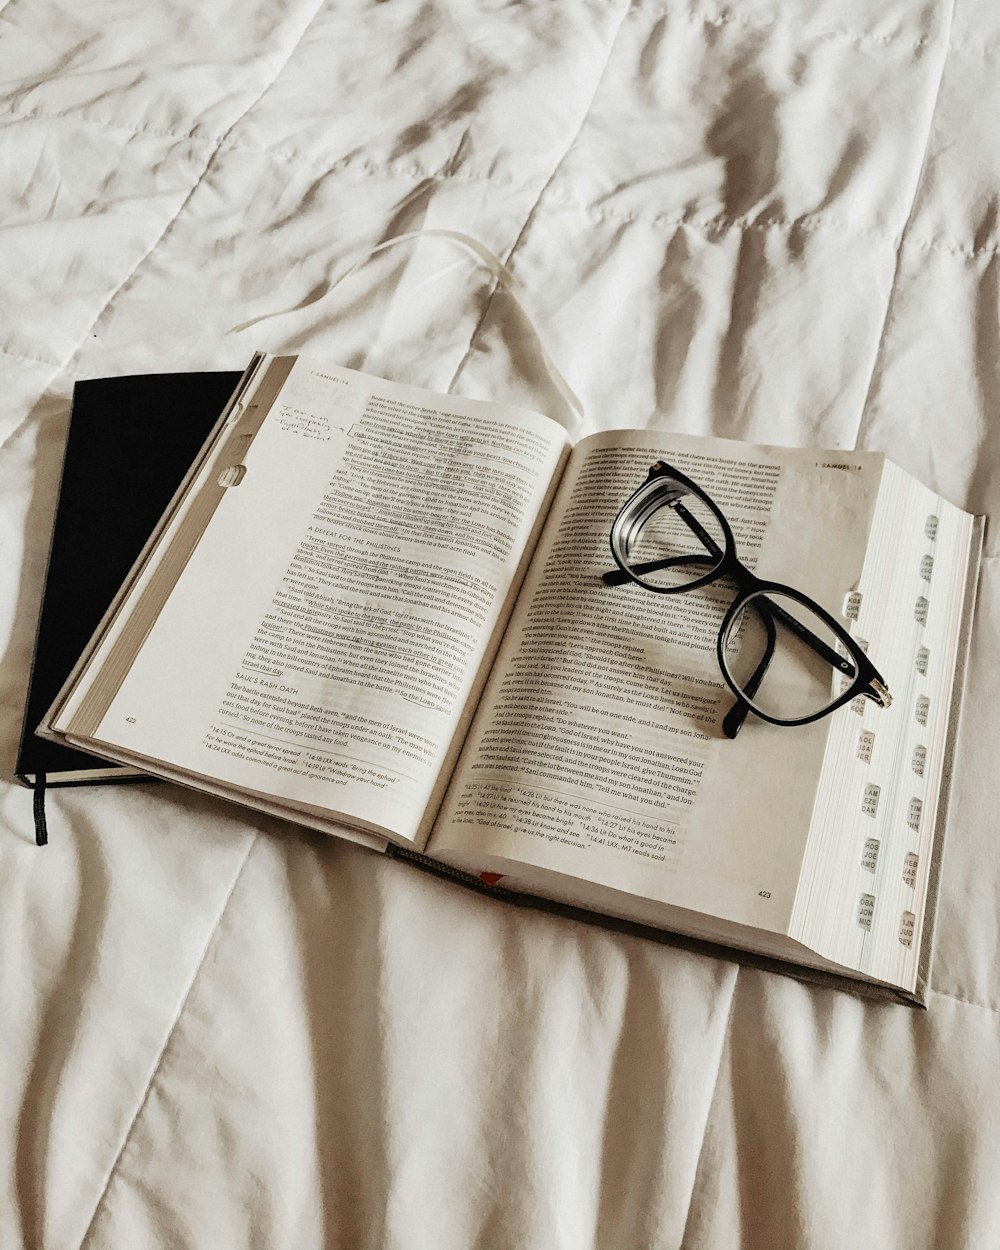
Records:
x=784, y=657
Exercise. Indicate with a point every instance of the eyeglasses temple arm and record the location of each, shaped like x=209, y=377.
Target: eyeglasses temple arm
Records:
x=618, y=577
x=733, y=720
x=840, y=662
x=699, y=531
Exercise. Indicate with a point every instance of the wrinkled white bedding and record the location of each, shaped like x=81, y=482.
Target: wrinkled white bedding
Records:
x=771, y=219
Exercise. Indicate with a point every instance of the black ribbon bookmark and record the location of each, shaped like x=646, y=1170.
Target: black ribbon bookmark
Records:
x=41, y=829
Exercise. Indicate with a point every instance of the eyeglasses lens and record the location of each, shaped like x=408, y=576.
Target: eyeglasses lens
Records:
x=784, y=659
x=669, y=545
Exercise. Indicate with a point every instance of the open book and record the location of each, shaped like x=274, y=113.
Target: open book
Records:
x=380, y=612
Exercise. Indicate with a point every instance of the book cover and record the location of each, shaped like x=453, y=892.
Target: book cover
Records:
x=130, y=442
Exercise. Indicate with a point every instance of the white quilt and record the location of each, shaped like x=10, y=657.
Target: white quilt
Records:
x=772, y=219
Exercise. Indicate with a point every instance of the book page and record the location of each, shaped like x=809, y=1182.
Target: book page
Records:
x=598, y=751
x=321, y=642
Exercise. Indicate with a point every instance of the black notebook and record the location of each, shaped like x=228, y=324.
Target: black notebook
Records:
x=131, y=441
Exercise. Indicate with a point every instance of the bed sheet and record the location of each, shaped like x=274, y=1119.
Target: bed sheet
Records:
x=769, y=219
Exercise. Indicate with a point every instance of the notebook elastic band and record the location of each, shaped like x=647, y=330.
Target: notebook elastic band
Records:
x=38, y=807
